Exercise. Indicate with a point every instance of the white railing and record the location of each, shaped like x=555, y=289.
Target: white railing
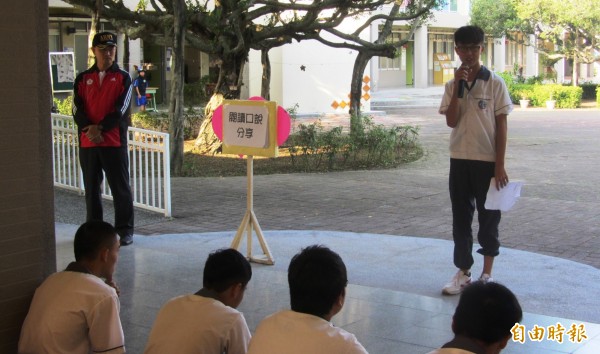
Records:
x=149, y=164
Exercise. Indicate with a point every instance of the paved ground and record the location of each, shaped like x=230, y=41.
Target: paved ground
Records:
x=556, y=153
x=392, y=227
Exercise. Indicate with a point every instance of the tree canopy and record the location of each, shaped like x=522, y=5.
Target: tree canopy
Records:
x=567, y=29
x=228, y=29
x=497, y=18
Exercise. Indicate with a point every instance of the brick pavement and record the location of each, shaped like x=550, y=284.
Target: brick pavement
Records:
x=554, y=152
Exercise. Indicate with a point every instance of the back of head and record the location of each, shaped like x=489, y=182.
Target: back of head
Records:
x=487, y=312
x=92, y=237
x=469, y=35
x=226, y=267
x=317, y=277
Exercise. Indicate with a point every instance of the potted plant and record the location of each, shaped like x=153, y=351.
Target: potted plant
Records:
x=551, y=103
x=524, y=101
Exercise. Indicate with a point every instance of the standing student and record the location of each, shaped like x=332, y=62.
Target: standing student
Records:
x=140, y=84
x=77, y=310
x=102, y=95
x=207, y=322
x=476, y=104
x=317, y=279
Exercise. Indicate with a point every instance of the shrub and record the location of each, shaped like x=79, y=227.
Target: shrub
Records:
x=368, y=145
x=192, y=120
x=194, y=94
x=507, y=77
x=64, y=106
x=589, y=90
x=598, y=96
x=159, y=121
x=565, y=96
x=150, y=120
x=520, y=92
x=538, y=79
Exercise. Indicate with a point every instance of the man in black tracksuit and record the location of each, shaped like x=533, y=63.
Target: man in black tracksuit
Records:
x=102, y=95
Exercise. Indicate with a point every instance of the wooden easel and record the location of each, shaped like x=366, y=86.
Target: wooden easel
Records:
x=249, y=223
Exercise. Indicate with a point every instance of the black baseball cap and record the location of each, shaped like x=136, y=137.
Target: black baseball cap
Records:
x=104, y=39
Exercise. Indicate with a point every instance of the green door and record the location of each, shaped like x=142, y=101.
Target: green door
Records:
x=410, y=59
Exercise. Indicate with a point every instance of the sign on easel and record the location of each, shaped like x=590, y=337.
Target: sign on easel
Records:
x=252, y=127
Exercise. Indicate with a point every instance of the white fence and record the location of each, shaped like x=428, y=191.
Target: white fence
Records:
x=149, y=164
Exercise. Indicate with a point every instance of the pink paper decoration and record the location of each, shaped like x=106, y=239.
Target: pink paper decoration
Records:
x=284, y=124
x=217, y=122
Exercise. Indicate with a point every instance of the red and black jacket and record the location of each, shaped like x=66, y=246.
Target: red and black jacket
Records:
x=106, y=105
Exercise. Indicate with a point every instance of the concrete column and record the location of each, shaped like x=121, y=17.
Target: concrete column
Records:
x=421, y=58
x=531, y=58
x=560, y=71
x=28, y=252
x=135, y=55
x=499, y=54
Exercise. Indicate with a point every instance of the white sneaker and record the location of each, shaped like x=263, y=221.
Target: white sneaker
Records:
x=457, y=284
x=485, y=278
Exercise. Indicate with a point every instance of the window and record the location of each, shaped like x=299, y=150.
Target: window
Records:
x=393, y=63
x=54, y=43
x=442, y=43
x=449, y=6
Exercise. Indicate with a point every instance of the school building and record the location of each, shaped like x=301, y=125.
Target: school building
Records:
x=310, y=74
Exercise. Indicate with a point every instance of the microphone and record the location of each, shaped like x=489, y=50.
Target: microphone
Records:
x=462, y=84
x=461, y=88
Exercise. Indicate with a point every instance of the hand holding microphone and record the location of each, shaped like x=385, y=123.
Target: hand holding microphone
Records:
x=462, y=83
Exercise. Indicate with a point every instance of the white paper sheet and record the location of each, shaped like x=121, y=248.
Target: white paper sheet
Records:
x=502, y=199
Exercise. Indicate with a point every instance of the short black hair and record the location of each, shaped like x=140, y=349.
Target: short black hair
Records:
x=487, y=312
x=91, y=237
x=317, y=277
x=225, y=267
x=469, y=35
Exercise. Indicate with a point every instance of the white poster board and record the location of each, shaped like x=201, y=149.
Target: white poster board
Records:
x=62, y=71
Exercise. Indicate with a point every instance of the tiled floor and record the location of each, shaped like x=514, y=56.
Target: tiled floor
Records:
x=385, y=320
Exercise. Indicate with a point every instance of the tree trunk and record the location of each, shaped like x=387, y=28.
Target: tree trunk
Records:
x=94, y=28
x=265, y=89
x=126, y=59
x=575, y=76
x=360, y=63
x=228, y=87
x=207, y=142
x=176, y=100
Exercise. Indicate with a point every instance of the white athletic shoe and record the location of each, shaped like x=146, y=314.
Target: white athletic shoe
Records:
x=457, y=283
x=485, y=278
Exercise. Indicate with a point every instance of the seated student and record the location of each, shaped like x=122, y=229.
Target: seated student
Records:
x=77, y=310
x=317, y=280
x=207, y=322
x=483, y=320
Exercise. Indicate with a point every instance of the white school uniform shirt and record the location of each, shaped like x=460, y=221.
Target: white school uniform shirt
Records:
x=474, y=137
x=73, y=312
x=450, y=351
x=200, y=325
x=290, y=332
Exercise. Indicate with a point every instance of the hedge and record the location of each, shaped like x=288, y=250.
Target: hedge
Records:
x=565, y=96
x=589, y=91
